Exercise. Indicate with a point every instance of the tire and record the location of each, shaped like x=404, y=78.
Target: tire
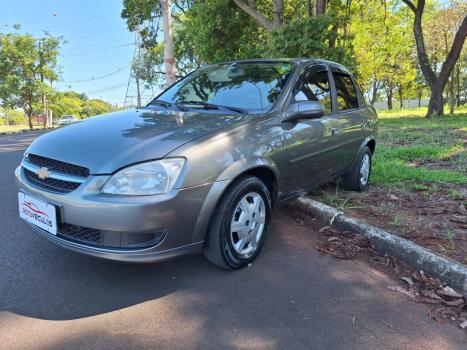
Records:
x=356, y=180
x=223, y=246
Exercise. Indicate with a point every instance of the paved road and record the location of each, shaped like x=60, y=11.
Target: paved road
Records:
x=290, y=298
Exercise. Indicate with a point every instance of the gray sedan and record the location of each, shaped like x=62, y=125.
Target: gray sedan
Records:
x=202, y=165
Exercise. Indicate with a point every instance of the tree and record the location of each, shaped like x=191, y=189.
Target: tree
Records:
x=24, y=70
x=310, y=37
x=219, y=30
x=438, y=40
x=71, y=102
x=383, y=48
x=95, y=107
x=436, y=82
x=263, y=16
x=142, y=17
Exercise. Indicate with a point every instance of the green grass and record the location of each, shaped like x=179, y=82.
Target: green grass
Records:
x=407, y=141
x=15, y=128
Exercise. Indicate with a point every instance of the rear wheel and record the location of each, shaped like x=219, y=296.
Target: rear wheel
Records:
x=238, y=227
x=359, y=178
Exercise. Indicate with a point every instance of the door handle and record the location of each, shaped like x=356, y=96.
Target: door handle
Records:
x=334, y=131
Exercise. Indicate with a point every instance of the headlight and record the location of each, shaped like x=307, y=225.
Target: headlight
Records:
x=149, y=178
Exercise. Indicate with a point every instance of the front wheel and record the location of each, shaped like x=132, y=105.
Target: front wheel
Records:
x=358, y=179
x=238, y=227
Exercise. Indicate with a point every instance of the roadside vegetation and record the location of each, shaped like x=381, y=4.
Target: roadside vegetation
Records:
x=413, y=151
x=418, y=183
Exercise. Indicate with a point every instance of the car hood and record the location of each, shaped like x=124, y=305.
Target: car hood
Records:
x=109, y=142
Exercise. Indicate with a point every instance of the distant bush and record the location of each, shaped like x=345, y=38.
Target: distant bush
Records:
x=12, y=117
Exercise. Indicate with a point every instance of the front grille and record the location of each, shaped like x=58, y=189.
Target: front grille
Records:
x=50, y=184
x=110, y=239
x=81, y=234
x=64, y=177
x=58, y=166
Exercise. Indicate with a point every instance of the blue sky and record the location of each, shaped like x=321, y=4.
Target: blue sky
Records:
x=98, y=42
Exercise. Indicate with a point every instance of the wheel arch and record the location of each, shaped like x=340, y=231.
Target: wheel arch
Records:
x=263, y=169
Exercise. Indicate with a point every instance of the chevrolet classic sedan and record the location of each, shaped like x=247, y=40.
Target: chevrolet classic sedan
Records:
x=202, y=165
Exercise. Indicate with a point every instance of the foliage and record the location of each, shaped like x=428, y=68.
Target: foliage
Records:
x=310, y=37
x=95, y=107
x=220, y=31
x=71, y=102
x=383, y=45
x=375, y=38
x=11, y=117
x=26, y=63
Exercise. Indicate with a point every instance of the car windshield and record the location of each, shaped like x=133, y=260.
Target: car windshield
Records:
x=249, y=86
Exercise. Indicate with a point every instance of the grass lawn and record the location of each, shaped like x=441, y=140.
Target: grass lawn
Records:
x=16, y=128
x=412, y=150
x=418, y=185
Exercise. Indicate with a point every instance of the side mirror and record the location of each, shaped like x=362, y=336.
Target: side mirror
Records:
x=303, y=110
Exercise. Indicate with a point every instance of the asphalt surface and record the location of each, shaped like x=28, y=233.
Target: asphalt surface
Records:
x=290, y=298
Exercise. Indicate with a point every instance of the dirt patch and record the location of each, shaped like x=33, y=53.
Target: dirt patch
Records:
x=442, y=303
x=434, y=216
x=452, y=163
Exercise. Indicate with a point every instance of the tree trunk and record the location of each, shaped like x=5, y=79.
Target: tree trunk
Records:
x=169, y=58
x=374, y=92
x=458, y=74
x=400, y=96
x=278, y=14
x=320, y=7
x=309, y=10
x=436, y=104
x=451, y=95
x=138, y=93
x=435, y=83
x=389, y=95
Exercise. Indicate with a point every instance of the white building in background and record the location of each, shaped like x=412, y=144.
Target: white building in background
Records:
x=406, y=103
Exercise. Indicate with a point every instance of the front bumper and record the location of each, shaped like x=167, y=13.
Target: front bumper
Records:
x=182, y=214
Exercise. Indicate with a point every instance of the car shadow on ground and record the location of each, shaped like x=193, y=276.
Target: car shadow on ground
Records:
x=286, y=299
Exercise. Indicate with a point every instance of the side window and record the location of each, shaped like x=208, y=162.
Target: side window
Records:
x=315, y=87
x=345, y=91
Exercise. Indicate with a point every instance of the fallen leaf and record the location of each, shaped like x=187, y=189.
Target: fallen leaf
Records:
x=408, y=280
x=404, y=291
x=448, y=291
x=456, y=302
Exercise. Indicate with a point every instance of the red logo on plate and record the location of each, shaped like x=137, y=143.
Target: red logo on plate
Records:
x=34, y=208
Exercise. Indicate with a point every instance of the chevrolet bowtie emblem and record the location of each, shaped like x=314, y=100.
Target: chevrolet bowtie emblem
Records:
x=43, y=173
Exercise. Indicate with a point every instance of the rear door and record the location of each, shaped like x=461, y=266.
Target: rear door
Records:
x=350, y=116
x=311, y=145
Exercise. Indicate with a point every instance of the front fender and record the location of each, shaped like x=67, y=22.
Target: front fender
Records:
x=221, y=185
x=244, y=165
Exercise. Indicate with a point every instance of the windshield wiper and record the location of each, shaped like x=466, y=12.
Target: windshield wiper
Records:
x=207, y=105
x=161, y=103
x=166, y=104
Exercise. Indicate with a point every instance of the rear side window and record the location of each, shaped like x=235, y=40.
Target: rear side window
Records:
x=315, y=87
x=345, y=91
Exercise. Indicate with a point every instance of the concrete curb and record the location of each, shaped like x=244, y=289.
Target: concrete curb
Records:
x=447, y=270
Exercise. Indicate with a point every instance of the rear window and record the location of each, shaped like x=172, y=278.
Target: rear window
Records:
x=345, y=91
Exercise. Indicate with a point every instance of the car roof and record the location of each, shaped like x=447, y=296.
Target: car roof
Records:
x=291, y=60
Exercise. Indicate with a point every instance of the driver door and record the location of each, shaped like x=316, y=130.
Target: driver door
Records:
x=311, y=143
